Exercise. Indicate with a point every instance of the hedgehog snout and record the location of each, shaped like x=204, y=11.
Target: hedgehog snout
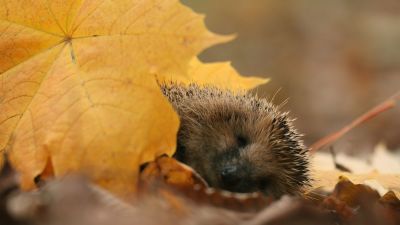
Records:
x=236, y=178
x=228, y=175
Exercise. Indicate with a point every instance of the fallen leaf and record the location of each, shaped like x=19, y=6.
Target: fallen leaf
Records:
x=381, y=160
x=171, y=172
x=374, y=173
x=327, y=180
x=391, y=199
x=360, y=204
x=353, y=194
x=172, y=180
x=220, y=74
x=78, y=84
x=74, y=200
x=292, y=211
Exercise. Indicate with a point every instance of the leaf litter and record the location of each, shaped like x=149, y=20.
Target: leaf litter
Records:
x=73, y=74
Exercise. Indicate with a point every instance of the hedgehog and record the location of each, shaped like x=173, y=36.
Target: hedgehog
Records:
x=238, y=142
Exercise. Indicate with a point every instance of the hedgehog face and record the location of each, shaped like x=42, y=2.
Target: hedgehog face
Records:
x=238, y=142
x=242, y=150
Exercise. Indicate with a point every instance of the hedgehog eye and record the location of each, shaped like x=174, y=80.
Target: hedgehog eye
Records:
x=263, y=184
x=241, y=141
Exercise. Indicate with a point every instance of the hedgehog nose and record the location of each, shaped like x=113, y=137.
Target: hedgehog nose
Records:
x=229, y=175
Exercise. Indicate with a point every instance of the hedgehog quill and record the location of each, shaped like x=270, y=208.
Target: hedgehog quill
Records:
x=238, y=142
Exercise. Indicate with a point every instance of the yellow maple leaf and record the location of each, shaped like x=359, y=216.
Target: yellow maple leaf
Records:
x=222, y=75
x=219, y=74
x=78, y=85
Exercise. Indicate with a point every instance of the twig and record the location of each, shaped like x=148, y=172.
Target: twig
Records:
x=338, y=165
x=329, y=139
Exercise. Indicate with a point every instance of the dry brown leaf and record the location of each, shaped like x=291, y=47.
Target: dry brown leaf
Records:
x=171, y=172
x=353, y=194
x=361, y=204
x=328, y=179
x=390, y=199
x=78, y=84
x=172, y=180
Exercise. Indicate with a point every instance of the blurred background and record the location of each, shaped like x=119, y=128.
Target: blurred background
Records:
x=334, y=60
